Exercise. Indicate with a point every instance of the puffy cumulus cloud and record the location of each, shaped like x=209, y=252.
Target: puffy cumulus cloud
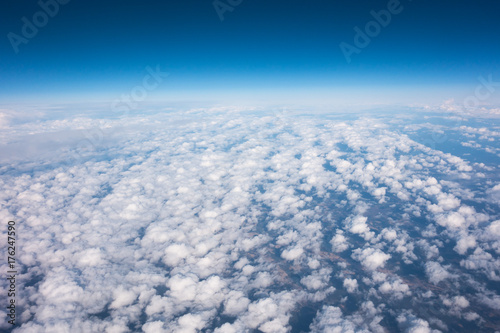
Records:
x=463, y=218
x=235, y=303
x=447, y=201
x=411, y=324
x=270, y=314
x=454, y=220
x=483, y=261
x=366, y=319
x=175, y=253
x=431, y=251
x=389, y=234
x=492, y=301
x=435, y=272
x=494, y=229
x=459, y=163
x=317, y=280
x=351, y=285
x=331, y=320
x=465, y=243
x=456, y=305
x=122, y=297
x=471, y=316
x=396, y=289
x=263, y=280
x=91, y=257
x=192, y=323
x=339, y=242
x=401, y=243
x=371, y=258
x=293, y=253
x=232, y=220
x=358, y=225
x=494, y=193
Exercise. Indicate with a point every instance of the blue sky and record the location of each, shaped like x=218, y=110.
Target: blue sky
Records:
x=91, y=50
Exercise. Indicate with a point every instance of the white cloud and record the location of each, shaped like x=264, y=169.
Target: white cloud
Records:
x=357, y=225
x=330, y=320
x=435, y=272
x=411, y=324
x=396, y=288
x=458, y=302
x=317, y=280
x=293, y=253
x=236, y=302
x=465, y=243
x=371, y=258
x=351, y=285
x=122, y=298
x=339, y=242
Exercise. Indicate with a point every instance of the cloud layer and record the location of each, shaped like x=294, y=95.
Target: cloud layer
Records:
x=236, y=221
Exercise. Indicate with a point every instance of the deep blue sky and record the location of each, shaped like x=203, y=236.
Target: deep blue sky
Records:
x=101, y=48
